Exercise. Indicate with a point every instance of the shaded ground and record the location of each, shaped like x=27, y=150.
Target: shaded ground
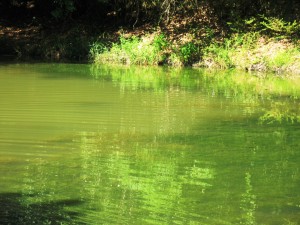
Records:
x=14, y=39
x=71, y=39
x=37, y=42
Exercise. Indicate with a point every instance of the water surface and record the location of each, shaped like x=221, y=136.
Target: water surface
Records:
x=81, y=144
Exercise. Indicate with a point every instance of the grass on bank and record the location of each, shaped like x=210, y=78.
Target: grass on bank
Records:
x=150, y=49
x=147, y=50
x=266, y=44
x=253, y=52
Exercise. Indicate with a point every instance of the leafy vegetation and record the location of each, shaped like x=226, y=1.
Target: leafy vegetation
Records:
x=143, y=51
x=151, y=49
x=253, y=35
x=257, y=49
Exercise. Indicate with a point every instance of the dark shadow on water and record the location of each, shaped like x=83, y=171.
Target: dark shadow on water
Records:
x=14, y=211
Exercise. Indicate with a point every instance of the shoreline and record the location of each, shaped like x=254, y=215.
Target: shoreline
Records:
x=149, y=45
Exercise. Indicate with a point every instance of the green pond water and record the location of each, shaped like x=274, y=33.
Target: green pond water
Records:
x=83, y=144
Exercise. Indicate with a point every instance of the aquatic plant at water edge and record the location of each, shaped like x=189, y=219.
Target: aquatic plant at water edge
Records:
x=256, y=47
x=253, y=52
x=150, y=49
x=256, y=44
x=97, y=48
x=146, y=50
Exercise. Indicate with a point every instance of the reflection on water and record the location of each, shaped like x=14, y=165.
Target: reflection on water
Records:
x=141, y=177
x=86, y=145
x=14, y=211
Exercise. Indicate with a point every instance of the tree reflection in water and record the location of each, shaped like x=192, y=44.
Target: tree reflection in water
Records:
x=14, y=210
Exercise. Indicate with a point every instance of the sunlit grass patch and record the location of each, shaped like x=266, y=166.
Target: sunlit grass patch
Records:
x=147, y=50
x=256, y=54
x=262, y=48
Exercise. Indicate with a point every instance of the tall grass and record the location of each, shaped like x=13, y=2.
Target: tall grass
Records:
x=148, y=50
x=258, y=44
x=253, y=52
x=151, y=49
x=263, y=44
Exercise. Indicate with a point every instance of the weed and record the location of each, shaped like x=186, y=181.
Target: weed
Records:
x=278, y=26
x=175, y=60
x=97, y=48
x=283, y=59
x=219, y=55
x=251, y=50
x=188, y=52
x=134, y=50
x=160, y=42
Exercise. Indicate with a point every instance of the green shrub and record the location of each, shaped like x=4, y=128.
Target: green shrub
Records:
x=160, y=42
x=188, y=52
x=270, y=26
x=251, y=51
x=218, y=54
x=147, y=50
x=284, y=60
x=96, y=48
x=175, y=60
x=278, y=26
